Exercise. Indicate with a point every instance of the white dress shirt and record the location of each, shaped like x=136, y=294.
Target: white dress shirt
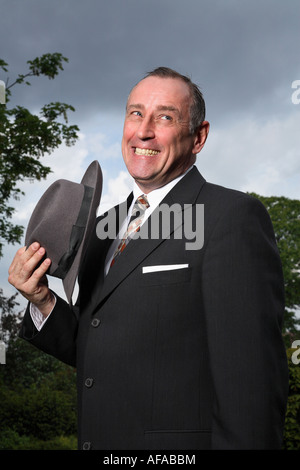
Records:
x=154, y=198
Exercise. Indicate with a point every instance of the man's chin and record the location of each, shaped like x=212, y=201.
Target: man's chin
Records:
x=146, y=183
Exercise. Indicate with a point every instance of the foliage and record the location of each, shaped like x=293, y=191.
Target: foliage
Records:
x=292, y=421
x=38, y=397
x=8, y=316
x=12, y=440
x=38, y=411
x=26, y=137
x=38, y=401
x=285, y=216
x=37, y=392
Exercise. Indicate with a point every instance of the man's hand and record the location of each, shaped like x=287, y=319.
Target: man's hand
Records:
x=30, y=280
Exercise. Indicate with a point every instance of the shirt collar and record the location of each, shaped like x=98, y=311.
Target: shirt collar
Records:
x=157, y=195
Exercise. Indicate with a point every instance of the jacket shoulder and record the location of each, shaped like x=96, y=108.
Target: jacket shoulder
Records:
x=225, y=199
x=232, y=211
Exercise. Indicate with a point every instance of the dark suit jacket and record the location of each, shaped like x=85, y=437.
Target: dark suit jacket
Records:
x=184, y=359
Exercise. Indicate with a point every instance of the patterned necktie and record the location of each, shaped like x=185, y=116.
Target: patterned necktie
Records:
x=137, y=215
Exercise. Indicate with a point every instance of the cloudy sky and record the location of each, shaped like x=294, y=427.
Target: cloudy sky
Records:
x=244, y=55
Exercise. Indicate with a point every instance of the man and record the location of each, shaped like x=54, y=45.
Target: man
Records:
x=175, y=348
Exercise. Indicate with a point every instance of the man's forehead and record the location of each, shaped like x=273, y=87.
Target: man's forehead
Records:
x=165, y=91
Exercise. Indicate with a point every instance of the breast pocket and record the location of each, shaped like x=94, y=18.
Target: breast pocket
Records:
x=164, y=277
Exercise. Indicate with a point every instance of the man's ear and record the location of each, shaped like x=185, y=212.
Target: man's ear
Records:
x=200, y=137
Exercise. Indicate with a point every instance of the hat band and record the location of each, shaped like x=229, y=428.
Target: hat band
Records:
x=76, y=236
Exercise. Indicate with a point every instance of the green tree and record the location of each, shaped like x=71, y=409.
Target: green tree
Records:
x=8, y=316
x=26, y=137
x=285, y=216
x=38, y=393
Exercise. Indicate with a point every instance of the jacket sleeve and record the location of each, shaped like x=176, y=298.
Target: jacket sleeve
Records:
x=244, y=304
x=58, y=335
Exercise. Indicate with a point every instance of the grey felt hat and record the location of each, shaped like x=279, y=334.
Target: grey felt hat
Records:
x=62, y=222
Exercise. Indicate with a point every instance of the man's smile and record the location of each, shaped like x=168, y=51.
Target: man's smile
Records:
x=147, y=152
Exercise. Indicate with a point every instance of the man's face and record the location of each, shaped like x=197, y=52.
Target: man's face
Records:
x=157, y=145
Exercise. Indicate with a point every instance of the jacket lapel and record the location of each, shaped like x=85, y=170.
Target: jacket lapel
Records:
x=91, y=275
x=185, y=192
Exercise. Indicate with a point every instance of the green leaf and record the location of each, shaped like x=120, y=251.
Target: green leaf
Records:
x=26, y=137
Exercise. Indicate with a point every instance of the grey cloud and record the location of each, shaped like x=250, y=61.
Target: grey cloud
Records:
x=242, y=54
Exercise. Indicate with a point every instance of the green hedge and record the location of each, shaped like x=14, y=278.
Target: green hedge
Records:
x=38, y=412
x=38, y=399
x=11, y=440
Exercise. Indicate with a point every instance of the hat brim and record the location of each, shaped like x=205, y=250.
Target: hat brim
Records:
x=92, y=178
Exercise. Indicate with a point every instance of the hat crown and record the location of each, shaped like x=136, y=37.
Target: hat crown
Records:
x=54, y=217
x=62, y=222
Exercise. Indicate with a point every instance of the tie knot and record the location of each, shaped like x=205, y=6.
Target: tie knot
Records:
x=142, y=202
x=140, y=205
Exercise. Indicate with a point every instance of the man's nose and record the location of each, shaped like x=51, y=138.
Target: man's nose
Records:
x=145, y=130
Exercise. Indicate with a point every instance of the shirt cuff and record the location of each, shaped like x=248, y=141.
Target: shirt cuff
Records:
x=37, y=317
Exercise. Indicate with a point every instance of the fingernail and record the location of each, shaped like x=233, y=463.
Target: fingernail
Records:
x=35, y=246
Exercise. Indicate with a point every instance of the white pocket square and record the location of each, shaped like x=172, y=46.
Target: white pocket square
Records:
x=163, y=267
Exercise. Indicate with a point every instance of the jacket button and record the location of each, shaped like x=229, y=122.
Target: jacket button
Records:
x=95, y=322
x=86, y=446
x=89, y=382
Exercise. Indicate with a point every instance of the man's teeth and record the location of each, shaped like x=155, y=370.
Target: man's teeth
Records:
x=146, y=152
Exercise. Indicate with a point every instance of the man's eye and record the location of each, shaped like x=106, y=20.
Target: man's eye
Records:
x=136, y=113
x=166, y=117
